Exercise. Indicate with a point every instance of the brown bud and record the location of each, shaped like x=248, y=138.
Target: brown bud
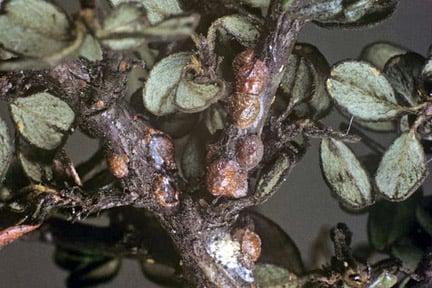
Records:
x=118, y=165
x=250, y=151
x=245, y=109
x=251, y=74
x=161, y=149
x=166, y=195
x=250, y=244
x=226, y=178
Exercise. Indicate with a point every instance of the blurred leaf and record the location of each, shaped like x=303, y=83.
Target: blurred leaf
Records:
x=359, y=13
x=171, y=29
x=124, y=20
x=176, y=125
x=5, y=149
x=33, y=28
x=384, y=280
x=378, y=53
x=402, y=169
x=160, y=273
x=91, y=49
x=71, y=260
x=95, y=272
x=363, y=91
x=193, y=160
x=388, y=222
x=239, y=27
x=271, y=276
x=277, y=247
x=403, y=73
x=42, y=119
x=320, y=10
x=215, y=118
x=382, y=126
x=345, y=174
x=408, y=253
x=35, y=163
x=257, y=3
x=160, y=89
x=424, y=216
x=156, y=10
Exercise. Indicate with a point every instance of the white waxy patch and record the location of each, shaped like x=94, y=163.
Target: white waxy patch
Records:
x=227, y=252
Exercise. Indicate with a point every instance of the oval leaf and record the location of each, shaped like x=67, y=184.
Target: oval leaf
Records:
x=379, y=53
x=156, y=10
x=403, y=73
x=362, y=90
x=237, y=26
x=5, y=149
x=33, y=28
x=388, y=222
x=402, y=169
x=160, y=89
x=345, y=174
x=42, y=119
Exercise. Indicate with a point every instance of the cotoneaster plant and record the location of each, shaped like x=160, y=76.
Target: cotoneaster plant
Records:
x=202, y=109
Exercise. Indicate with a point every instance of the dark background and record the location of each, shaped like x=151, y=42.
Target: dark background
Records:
x=304, y=204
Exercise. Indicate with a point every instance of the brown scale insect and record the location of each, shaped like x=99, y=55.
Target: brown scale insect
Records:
x=165, y=194
x=249, y=151
x=226, y=178
x=250, y=78
x=117, y=164
x=250, y=244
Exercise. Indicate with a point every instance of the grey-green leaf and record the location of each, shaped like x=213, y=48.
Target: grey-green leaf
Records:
x=215, y=118
x=194, y=97
x=33, y=28
x=156, y=10
x=345, y=174
x=5, y=149
x=171, y=29
x=363, y=91
x=42, y=119
x=160, y=90
x=237, y=26
x=402, y=169
x=91, y=49
x=125, y=20
x=403, y=73
x=379, y=53
x=360, y=13
x=36, y=171
x=272, y=276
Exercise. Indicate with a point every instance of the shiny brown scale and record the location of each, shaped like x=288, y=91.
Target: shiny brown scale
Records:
x=165, y=194
x=226, y=178
x=250, y=78
x=250, y=74
x=245, y=108
x=250, y=244
x=249, y=151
